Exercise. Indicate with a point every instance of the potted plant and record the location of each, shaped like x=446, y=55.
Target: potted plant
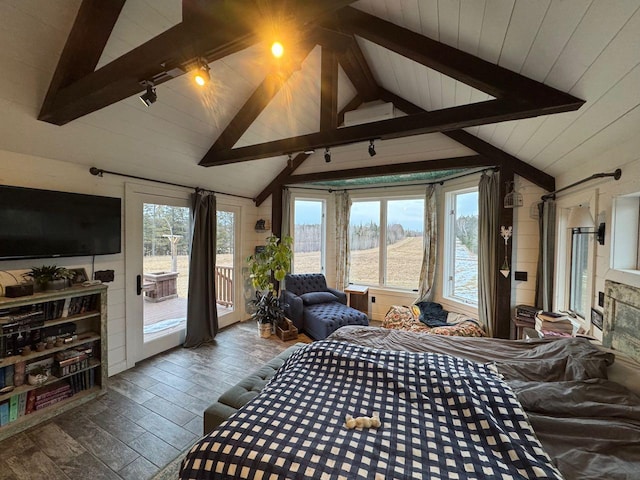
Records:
x=50, y=277
x=270, y=263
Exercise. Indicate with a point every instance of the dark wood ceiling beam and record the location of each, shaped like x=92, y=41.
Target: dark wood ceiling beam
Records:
x=277, y=182
x=228, y=29
x=470, y=161
x=485, y=76
x=531, y=173
x=328, y=90
x=421, y=123
x=357, y=69
x=121, y=78
x=257, y=102
x=523, y=169
x=90, y=32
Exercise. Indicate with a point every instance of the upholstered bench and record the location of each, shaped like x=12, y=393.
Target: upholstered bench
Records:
x=321, y=320
x=249, y=387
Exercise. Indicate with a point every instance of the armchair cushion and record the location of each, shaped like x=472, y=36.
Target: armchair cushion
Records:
x=341, y=296
x=312, y=298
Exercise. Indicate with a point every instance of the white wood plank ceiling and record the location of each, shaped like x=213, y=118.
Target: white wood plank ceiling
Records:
x=590, y=49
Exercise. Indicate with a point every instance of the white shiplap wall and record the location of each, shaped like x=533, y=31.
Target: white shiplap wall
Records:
x=625, y=156
x=36, y=172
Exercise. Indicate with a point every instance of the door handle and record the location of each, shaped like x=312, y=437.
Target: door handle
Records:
x=139, y=284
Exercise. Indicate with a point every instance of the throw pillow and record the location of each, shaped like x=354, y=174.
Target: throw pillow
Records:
x=312, y=298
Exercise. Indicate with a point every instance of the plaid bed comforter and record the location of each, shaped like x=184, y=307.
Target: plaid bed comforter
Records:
x=442, y=418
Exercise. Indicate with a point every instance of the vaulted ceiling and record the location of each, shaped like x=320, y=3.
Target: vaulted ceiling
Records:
x=503, y=80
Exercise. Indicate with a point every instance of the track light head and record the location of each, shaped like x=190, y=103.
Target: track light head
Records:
x=372, y=149
x=150, y=95
x=201, y=75
x=327, y=155
x=290, y=161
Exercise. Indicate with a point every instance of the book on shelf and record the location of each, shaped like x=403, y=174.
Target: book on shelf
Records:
x=53, y=401
x=13, y=408
x=4, y=412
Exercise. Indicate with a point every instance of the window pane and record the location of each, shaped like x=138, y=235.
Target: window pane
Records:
x=307, y=245
x=405, y=226
x=465, y=251
x=364, y=241
x=578, y=286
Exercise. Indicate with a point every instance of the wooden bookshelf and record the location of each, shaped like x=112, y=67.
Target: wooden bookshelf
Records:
x=90, y=328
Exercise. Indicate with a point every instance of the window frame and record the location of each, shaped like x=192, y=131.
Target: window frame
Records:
x=382, y=252
x=583, y=241
x=448, y=256
x=323, y=227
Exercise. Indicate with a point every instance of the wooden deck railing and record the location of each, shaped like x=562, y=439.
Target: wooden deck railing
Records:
x=224, y=286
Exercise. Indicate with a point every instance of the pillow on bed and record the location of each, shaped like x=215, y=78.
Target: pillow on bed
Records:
x=312, y=298
x=432, y=314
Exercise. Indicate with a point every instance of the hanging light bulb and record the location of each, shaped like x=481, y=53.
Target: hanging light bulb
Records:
x=277, y=50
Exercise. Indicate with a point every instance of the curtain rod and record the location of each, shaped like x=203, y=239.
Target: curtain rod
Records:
x=616, y=176
x=441, y=182
x=98, y=172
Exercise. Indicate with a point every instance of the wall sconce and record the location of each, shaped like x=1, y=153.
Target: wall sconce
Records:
x=580, y=219
x=505, y=232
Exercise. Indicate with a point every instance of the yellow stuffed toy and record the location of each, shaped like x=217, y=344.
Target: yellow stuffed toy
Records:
x=362, y=422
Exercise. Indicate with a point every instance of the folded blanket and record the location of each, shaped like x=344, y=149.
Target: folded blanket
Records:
x=432, y=314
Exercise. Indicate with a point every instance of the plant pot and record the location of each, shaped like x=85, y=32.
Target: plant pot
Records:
x=264, y=330
x=57, y=284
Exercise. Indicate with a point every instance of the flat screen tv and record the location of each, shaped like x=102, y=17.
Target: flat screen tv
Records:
x=45, y=223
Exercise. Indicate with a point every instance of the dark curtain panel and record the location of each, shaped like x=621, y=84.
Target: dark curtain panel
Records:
x=202, y=314
x=544, y=276
x=488, y=234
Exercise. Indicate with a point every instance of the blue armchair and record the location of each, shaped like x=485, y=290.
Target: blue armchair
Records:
x=316, y=308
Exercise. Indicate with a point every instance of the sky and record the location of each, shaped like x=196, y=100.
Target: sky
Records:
x=408, y=213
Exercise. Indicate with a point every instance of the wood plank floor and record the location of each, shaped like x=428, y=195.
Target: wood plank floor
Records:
x=149, y=415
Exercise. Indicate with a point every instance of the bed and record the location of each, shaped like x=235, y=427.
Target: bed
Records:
x=407, y=318
x=449, y=407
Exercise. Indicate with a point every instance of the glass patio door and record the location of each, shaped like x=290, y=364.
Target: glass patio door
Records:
x=158, y=229
x=227, y=238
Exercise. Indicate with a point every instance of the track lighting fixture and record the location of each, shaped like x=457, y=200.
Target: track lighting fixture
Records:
x=201, y=75
x=327, y=155
x=290, y=161
x=150, y=95
x=372, y=149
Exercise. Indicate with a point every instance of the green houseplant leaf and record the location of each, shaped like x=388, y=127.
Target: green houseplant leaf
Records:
x=271, y=263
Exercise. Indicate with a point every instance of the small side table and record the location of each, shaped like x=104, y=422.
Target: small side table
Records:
x=358, y=297
x=521, y=325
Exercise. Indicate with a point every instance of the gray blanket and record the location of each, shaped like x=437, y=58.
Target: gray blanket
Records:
x=589, y=426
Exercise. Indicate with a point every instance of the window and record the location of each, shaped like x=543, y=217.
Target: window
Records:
x=625, y=234
x=578, y=277
x=385, y=238
x=308, y=236
x=461, y=246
